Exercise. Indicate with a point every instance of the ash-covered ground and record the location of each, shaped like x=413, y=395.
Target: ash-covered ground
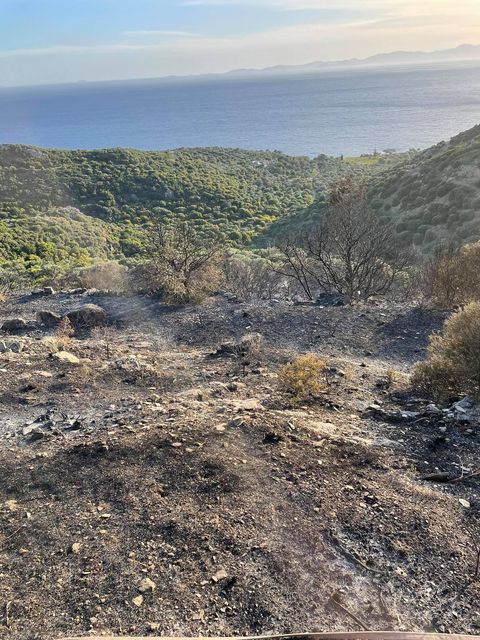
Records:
x=150, y=485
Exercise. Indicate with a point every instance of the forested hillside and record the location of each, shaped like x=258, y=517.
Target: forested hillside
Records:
x=72, y=207
x=436, y=197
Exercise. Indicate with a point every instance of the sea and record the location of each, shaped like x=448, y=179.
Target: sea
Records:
x=342, y=112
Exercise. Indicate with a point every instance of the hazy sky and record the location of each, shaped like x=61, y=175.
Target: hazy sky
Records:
x=44, y=41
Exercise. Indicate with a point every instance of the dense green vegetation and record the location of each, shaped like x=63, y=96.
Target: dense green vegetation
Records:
x=63, y=209
x=116, y=192
x=435, y=197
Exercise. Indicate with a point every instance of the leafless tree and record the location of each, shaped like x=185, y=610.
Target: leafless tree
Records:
x=348, y=252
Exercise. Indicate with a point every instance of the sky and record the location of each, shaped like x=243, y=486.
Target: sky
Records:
x=54, y=41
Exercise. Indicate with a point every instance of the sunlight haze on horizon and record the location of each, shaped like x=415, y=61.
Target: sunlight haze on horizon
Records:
x=53, y=41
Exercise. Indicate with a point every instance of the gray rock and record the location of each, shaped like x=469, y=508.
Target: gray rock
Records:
x=48, y=318
x=48, y=291
x=410, y=415
x=16, y=347
x=88, y=316
x=432, y=408
x=14, y=324
x=247, y=345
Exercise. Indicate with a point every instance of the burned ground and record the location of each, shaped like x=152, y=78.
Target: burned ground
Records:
x=249, y=512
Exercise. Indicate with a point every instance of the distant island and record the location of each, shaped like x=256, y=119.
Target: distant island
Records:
x=462, y=53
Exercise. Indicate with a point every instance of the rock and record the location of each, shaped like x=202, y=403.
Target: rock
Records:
x=3, y=347
x=236, y=422
x=44, y=374
x=66, y=356
x=16, y=347
x=466, y=410
x=48, y=318
x=409, y=415
x=14, y=324
x=137, y=601
x=75, y=548
x=48, y=291
x=146, y=585
x=464, y=503
x=247, y=345
x=37, y=434
x=31, y=428
x=220, y=575
x=87, y=316
x=12, y=505
x=432, y=408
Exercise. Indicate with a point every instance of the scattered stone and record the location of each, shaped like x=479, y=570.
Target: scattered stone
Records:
x=464, y=503
x=36, y=435
x=137, y=601
x=75, y=548
x=14, y=324
x=146, y=585
x=432, y=408
x=409, y=415
x=220, y=575
x=87, y=316
x=48, y=319
x=16, y=347
x=236, y=422
x=48, y=291
x=66, y=356
x=248, y=344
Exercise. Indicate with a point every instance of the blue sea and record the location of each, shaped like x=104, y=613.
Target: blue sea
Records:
x=337, y=112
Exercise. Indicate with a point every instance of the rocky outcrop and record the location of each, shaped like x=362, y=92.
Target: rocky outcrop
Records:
x=49, y=319
x=14, y=324
x=87, y=316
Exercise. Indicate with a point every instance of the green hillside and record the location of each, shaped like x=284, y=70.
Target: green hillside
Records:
x=73, y=208
x=435, y=197
x=116, y=192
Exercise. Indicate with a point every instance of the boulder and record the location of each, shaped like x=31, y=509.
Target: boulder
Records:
x=49, y=319
x=248, y=345
x=66, y=356
x=87, y=316
x=16, y=347
x=14, y=324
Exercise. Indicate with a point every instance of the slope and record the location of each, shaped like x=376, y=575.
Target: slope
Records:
x=435, y=198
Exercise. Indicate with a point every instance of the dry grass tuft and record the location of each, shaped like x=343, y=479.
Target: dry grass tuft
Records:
x=304, y=377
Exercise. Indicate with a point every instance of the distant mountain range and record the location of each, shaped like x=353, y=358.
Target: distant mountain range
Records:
x=463, y=52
